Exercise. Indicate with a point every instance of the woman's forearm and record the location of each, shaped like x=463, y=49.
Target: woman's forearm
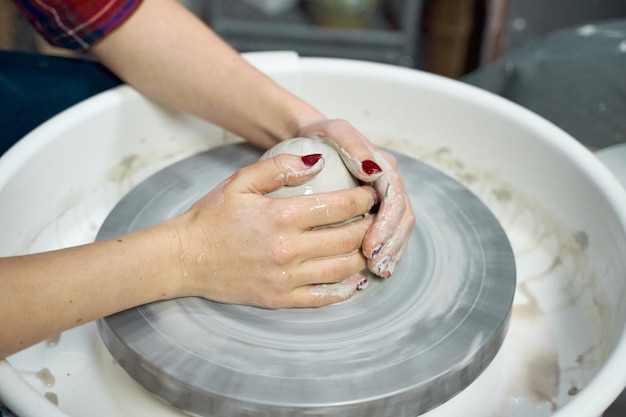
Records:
x=163, y=44
x=44, y=294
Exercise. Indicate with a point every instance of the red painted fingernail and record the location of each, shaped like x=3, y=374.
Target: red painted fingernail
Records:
x=371, y=167
x=376, y=250
x=362, y=284
x=310, y=160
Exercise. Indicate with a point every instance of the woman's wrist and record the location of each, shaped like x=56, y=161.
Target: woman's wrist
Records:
x=188, y=255
x=299, y=114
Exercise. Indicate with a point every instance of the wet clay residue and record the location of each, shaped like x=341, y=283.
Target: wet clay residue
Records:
x=581, y=239
x=53, y=341
x=123, y=172
x=573, y=390
x=555, y=283
x=52, y=397
x=46, y=377
x=534, y=372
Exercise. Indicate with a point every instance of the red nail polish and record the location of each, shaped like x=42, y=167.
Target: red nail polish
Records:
x=310, y=160
x=371, y=167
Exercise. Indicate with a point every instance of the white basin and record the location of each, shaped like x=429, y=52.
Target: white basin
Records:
x=565, y=214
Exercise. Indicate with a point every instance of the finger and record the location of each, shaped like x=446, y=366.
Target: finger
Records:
x=271, y=174
x=352, y=146
x=313, y=274
x=356, y=156
x=384, y=263
x=387, y=220
x=336, y=240
x=323, y=209
x=328, y=270
x=320, y=295
x=395, y=206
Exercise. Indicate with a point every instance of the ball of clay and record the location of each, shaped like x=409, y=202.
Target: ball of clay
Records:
x=334, y=176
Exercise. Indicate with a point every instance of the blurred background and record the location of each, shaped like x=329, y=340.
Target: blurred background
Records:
x=563, y=59
x=447, y=37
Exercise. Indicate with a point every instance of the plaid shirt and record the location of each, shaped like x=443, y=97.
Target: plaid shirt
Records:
x=76, y=24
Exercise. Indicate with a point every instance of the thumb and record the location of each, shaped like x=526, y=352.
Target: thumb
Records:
x=271, y=174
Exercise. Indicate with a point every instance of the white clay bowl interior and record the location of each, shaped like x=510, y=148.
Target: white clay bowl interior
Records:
x=565, y=353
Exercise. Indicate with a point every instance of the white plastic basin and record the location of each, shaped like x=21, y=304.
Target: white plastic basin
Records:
x=565, y=214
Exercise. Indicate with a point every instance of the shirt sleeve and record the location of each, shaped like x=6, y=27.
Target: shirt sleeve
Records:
x=76, y=24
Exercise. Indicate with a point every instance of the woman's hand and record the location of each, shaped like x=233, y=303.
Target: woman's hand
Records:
x=386, y=240
x=239, y=98
x=237, y=246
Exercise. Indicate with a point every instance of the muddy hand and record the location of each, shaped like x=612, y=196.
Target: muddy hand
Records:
x=386, y=240
x=270, y=252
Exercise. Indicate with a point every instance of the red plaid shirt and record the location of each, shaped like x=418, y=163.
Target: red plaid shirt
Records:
x=76, y=24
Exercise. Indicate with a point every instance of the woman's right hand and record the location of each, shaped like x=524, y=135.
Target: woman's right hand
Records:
x=237, y=246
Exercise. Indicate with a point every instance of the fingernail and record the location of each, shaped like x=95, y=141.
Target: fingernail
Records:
x=312, y=159
x=371, y=167
x=386, y=267
x=381, y=267
x=362, y=284
x=376, y=251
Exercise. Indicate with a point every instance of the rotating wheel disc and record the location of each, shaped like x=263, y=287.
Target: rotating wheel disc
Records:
x=402, y=347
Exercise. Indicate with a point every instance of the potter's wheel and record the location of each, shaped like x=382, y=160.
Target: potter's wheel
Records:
x=401, y=348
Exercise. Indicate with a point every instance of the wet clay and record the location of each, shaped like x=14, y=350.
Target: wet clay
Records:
x=334, y=176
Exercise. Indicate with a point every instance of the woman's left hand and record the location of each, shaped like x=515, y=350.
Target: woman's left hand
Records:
x=386, y=240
